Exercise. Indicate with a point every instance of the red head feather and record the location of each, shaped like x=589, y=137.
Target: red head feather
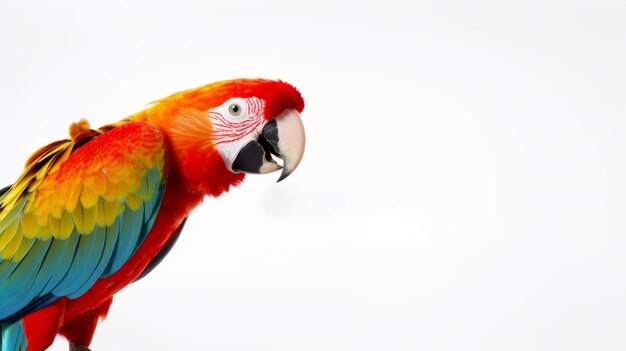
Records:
x=277, y=95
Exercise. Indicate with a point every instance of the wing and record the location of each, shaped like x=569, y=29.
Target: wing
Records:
x=78, y=212
x=169, y=244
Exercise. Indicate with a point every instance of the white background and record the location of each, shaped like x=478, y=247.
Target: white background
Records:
x=463, y=186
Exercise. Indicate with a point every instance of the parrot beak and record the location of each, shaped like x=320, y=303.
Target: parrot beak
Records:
x=283, y=137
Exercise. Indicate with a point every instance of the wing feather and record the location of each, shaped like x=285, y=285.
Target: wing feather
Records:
x=78, y=212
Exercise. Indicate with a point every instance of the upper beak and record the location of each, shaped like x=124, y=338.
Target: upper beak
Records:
x=283, y=137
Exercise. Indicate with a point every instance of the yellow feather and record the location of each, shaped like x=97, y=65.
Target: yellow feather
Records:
x=126, y=171
x=113, y=171
x=161, y=161
x=78, y=218
x=16, y=191
x=110, y=212
x=44, y=231
x=30, y=227
x=143, y=192
x=29, y=204
x=88, y=198
x=57, y=211
x=99, y=185
x=55, y=226
x=10, y=249
x=100, y=218
x=22, y=249
x=69, y=147
x=22, y=183
x=67, y=226
x=41, y=217
x=121, y=207
x=41, y=173
x=123, y=189
x=111, y=193
x=133, y=181
x=46, y=153
x=7, y=235
x=134, y=202
x=71, y=196
x=89, y=216
x=9, y=214
x=40, y=204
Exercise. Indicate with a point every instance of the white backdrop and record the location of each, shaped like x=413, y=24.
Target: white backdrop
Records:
x=463, y=186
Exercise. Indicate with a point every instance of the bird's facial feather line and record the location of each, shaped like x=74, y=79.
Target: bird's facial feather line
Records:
x=229, y=129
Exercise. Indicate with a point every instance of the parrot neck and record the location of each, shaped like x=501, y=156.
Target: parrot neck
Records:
x=199, y=172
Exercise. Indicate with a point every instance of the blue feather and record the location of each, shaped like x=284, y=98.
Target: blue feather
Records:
x=64, y=250
x=69, y=267
x=110, y=237
x=93, y=257
x=38, y=251
x=127, y=240
x=149, y=217
x=13, y=337
x=19, y=284
x=155, y=186
x=7, y=269
x=113, y=234
x=36, y=304
x=86, y=258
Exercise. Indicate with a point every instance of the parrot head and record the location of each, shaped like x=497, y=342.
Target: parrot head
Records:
x=219, y=132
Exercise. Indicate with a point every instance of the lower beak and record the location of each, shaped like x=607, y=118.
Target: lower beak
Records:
x=283, y=137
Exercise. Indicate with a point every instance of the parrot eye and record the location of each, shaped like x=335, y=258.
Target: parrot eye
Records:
x=234, y=109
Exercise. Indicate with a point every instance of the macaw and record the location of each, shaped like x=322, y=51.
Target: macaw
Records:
x=93, y=213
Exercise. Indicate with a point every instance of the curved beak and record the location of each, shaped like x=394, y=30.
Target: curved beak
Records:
x=283, y=137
